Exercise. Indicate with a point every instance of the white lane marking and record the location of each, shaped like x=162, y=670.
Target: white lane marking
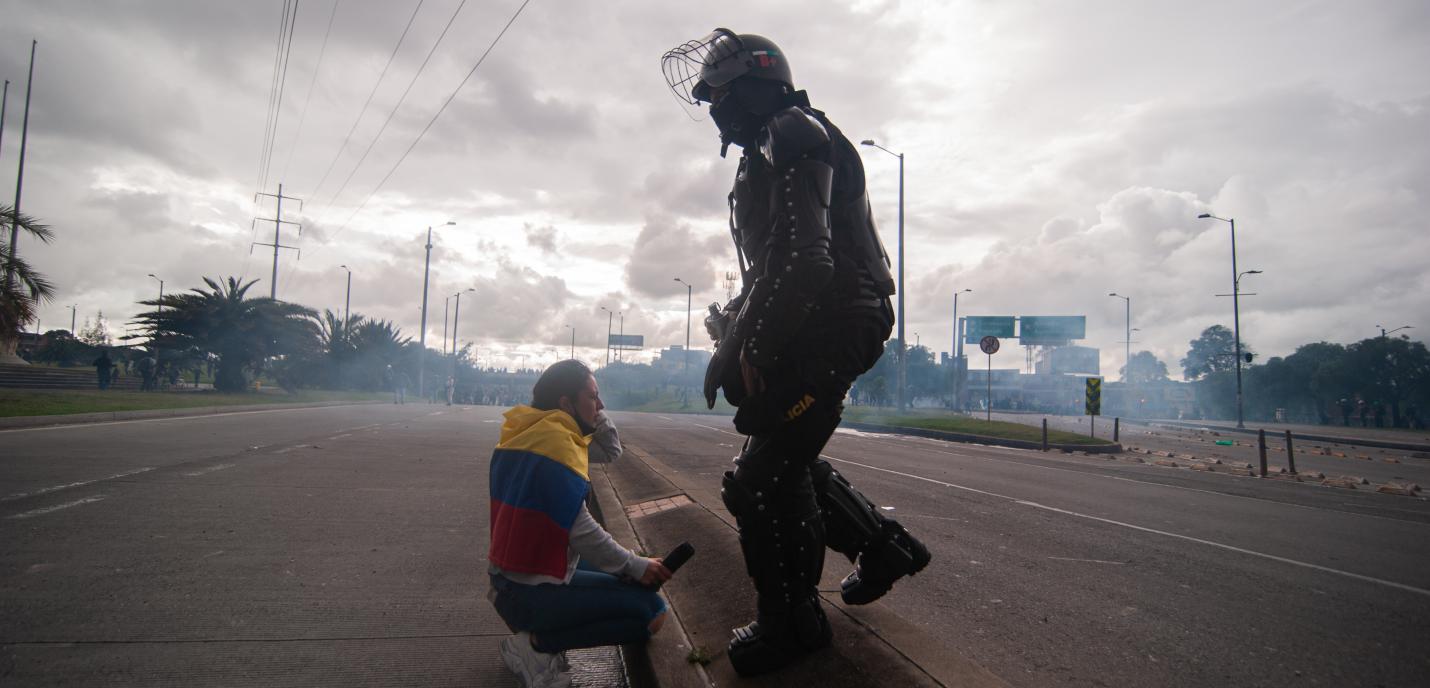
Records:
x=57, y=507
x=338, y=437
x=211, y=554
x=666, y=418
x=1154, y=531
x=82, y=426
x=56, y=488
x=210, y=469
x=1089, y=561
x=727, y=432
x=1094, y=474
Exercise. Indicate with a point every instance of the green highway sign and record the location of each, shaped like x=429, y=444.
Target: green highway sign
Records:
x=976, y=327
x=1051, y=329
x=1094, y=396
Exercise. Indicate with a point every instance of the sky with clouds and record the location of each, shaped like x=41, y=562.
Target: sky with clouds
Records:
x=1054, y=152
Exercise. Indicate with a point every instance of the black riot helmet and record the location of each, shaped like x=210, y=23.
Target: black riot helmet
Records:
x=694, y=68
x=750, y=72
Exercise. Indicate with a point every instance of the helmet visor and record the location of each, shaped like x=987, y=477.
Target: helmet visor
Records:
x=694, y=67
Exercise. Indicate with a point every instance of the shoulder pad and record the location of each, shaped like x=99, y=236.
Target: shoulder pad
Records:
x=790, y=133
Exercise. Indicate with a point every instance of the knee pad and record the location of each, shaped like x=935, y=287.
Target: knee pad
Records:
x=852, y=523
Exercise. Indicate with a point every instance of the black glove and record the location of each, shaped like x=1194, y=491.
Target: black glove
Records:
x=725, y=360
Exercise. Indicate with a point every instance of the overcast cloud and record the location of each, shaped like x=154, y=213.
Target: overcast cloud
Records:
x=1055, y=152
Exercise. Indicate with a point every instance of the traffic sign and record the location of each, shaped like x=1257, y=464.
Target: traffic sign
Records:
x=1094, y=396
x=989, y=345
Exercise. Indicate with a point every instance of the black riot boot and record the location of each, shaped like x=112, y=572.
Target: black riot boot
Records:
x=884, y=550
x=887, y=559
x=784, y=555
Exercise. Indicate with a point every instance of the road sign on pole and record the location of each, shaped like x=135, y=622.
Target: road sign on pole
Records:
x=989, y=345
x=1094, y=396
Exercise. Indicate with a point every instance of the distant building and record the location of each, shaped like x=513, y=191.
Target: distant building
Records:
x=674, y=357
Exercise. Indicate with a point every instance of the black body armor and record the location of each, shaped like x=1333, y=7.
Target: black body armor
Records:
x=801, y=220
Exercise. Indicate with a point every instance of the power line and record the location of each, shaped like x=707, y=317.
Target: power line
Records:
x=268, y=123
x=423, y=133
x=272, y=91
x=282, y=85
x=400, y=101
x=365, y=105
x=298, y=134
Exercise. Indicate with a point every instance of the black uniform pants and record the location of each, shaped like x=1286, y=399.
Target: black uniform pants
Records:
x=781, y=531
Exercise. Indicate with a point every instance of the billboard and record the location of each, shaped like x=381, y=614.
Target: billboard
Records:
x=1049, y=330
x=626, y=342
x=976, y=327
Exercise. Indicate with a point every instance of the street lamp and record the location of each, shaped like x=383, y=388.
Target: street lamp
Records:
x=161, y=311
x=917, y=341
x=957, y=351
x=1236, y=306
x=457, y=314
x=1383, y=333
x=347, y=297
x=903, y=356
x=161, y=292
x=422, y=332
x=73, y=309
x=609, y=315
x=573, y=339
x=686, y=355
x=1127, y=362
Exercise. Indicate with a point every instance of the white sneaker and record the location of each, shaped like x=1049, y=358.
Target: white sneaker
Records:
x=535, y=669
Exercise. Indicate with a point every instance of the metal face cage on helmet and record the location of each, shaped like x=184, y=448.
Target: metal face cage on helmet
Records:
x=695, y=67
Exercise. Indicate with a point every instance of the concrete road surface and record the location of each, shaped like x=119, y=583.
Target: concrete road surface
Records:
x=1071, y=570
x=344, y=546
x=340, y=546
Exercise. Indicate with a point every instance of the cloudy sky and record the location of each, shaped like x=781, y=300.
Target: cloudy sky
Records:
x=1055, y=152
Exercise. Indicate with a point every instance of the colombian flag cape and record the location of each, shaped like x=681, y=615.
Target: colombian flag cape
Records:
x=538, y=484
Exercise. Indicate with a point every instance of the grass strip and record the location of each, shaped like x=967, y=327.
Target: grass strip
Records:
x=946, y=421
x=41, y=402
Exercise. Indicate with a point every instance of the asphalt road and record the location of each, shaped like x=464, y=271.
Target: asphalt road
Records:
x=1070, y=570
x=340, y=546
x=343, y=546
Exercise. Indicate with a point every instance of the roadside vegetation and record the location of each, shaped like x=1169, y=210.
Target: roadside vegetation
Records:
x=950, y=422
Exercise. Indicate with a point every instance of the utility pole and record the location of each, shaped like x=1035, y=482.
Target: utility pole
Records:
x=422, y=333
x=686, y=356
x=73, y=309
x=4, y=100
x=20, y=175
x=278, y=223
x=610, y=316
x=348, y=298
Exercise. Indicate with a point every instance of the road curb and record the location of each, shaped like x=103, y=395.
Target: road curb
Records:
x=1113, y=448
x=663, y=662
x=22, y=422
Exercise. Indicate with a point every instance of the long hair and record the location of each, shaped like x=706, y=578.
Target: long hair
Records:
x=562, y=379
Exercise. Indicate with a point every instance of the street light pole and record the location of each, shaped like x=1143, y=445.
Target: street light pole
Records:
x=446, y=315
x=573, y=340
x=1236, y=312
x=347, y=297
x=161, y=293
x=688, y=291
x=1127, y=362
x=422, y=333
x=622, y=316
x=73, y=310
x=903, y=349
x=456, y=317
x=609, y=318
x=957, y=351
x=1384, y=334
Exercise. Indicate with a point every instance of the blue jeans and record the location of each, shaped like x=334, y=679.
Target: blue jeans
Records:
x=593, y=610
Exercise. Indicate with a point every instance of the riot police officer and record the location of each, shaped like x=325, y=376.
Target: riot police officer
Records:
x=813, y=314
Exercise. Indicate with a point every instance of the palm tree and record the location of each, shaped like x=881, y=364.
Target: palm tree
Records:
x=377, y=346
x=241, y=332
x=23, y=288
